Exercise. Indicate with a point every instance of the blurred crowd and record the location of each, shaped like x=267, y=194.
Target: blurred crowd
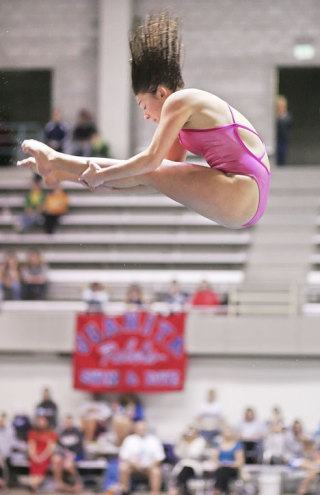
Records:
x=115, y=429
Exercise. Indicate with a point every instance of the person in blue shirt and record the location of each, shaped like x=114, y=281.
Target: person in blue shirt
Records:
x=228, y=457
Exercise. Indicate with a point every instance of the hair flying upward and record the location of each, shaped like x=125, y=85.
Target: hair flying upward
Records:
x=156, y=54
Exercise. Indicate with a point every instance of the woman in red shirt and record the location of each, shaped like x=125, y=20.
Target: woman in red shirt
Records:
x=205, y=296
x=41, y=444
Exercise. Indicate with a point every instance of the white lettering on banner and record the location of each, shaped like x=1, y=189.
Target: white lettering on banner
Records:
x=131, y=354
x=99, y=377
x=162, y=378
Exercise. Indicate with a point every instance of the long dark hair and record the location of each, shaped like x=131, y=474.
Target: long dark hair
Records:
x=155, y=49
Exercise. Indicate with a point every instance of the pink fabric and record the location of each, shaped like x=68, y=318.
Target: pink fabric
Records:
x=223, y=149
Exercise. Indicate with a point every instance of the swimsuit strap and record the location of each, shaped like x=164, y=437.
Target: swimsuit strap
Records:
x=232, y=115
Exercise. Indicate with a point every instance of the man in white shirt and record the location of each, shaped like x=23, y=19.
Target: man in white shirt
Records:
x=141, y=453
x=210, y=417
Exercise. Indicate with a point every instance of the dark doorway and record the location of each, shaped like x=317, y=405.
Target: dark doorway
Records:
x=300, y=85
x=25, y=105
x=25, y=95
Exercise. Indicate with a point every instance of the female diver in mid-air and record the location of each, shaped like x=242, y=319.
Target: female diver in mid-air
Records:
x=233, y=190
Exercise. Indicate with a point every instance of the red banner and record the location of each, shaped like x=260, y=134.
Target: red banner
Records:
x=133, y=352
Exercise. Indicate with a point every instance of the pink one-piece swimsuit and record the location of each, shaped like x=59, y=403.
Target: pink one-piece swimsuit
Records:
x=223, y=149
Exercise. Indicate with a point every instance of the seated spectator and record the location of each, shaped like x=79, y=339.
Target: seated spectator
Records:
x=311, y=464
x=229, y=458
x=176, y=298
x=95, y=296
x=34, y=277
x=6, y=443
x=276, y=418
x=69, y=451
x=205, y=296
x=134, y=296
x=82, y=134
x=94, y=413
x=252, y=432
x=133, y=406
x=10, y=277
x=21, y=425
x=294, y=444
x=190, y=451
x=48, y=408
x=56, y=132
x=33, y=202
x=41, y=445
x=55, y=205
x=99, y=147
x=274, y=451
x=140, y=457
x=210, y=417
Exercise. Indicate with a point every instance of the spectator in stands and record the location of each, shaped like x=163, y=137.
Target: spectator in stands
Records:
x=33, y=202
x=311, y=464
x=94, y=414
x=55, y=205
x=205, y=296
x=276, y=418
x=10, y=277
x=56, y=132
x=134, y=296
x=229, y=458
x=284, y=123
x=252, y=432
x=99, y=147
x=176, y=297
x=48, y=408
x=140, y=456
x=34, y=276
x=133, y=406
x=95, y=296
x=69, y=451
x=294, y=440
x=41, y=445
x=274, y=450
x=6, y=443
x=210, y=417
x=190, y=451
x=83, y=131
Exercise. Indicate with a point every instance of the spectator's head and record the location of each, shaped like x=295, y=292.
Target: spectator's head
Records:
x=204, y=286
x=211, y=395
x=174, y=287
x=134, y=294
x=141, y=428
x=281, y=105
x=11, y=260
x=96, y=286
x=68, y=422
x=297, y=428
x=249, y=414
x=34, y=258
x=228, y=434
x=41, y=422
x=84, y=116
x=190, y=434
x=46, y=395
x=56, y=115
x=3, y=419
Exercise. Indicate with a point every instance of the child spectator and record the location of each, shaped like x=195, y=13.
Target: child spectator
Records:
x=69, y=451
x=41, y=444
x=48, y=408
x=95, y=296
x=83, y=131
x=33, y=203
x=134, y=296
x=205, y=296
x=10, y=277
x=176, y=297
x=56, y=132
x=34, y=276
x=55, y=205
x=99, y=147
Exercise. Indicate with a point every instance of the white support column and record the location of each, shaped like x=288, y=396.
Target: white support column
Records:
x=113, y=101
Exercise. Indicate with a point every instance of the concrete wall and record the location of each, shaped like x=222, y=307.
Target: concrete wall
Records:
x=60, y=36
